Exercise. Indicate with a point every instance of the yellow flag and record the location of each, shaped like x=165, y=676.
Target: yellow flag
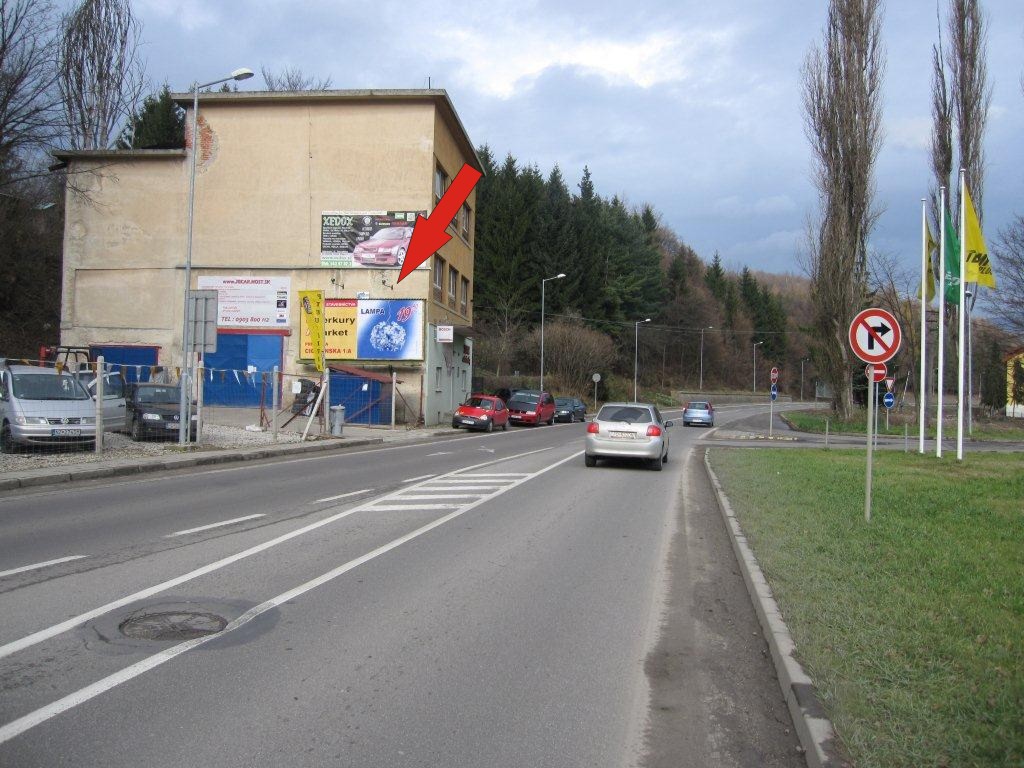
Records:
x=929, y=248
x=979, y=269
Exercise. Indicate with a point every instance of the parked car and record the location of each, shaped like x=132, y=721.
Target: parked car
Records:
x=699, y=412
x=154, y=410
x=114, y=404
x=481, y=412
x=385, y=247
x=531, y=406
x=43, y=406
x=570, y=409
x=628, y=431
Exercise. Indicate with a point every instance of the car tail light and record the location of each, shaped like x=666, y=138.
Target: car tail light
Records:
x=592, y=428
x=653, y=431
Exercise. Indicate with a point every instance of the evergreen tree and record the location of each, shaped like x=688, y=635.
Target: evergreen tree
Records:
x=159, y=124
x=993, y=378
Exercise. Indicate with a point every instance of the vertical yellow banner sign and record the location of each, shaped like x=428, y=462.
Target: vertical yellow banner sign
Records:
x=311, y=305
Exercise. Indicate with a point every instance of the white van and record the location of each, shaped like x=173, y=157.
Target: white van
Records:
x=41, y=406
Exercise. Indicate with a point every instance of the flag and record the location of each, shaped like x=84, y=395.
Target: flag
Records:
x=951, y=273
x=929, y=285
x=979, y=269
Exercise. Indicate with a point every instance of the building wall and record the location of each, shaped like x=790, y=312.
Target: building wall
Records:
x=266, y=171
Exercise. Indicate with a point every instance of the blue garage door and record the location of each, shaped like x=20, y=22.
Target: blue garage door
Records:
x=228, y=380
x=135, y=362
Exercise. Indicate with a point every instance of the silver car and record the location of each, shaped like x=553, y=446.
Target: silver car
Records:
x=41, y=406
x=628, y=431
x=699, y=412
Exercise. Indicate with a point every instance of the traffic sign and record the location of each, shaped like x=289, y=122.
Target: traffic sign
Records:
x=875, y=335
x=775, y=375
x=775, y=393
x=889, y=400
x=890, y=382
x=875, y=373
x=595, y=378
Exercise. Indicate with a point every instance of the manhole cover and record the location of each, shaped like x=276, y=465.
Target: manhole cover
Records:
x=172, y=625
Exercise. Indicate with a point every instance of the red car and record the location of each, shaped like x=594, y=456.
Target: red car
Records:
x=481, y=412
x=531, y=406
x=385, y=247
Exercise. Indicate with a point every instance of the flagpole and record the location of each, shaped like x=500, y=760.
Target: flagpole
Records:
x=942, y=317
x=961, y=317
x=924, y=325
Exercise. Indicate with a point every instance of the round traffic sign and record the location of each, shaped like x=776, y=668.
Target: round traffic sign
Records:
x=775, y=375
x=774, y=393
x=875, y=373
x=595, y=378
x=889, y=400
x=875, y=335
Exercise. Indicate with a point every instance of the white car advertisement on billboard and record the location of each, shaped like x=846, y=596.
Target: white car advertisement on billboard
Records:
x=366, y=239
x=250, y=302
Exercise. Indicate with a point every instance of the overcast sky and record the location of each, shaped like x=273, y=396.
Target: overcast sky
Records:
x=690, y=105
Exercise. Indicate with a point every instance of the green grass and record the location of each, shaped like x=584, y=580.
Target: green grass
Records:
x=984, y=429
x=912, y=625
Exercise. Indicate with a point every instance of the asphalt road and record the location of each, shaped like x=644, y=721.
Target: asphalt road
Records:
x=482, y=600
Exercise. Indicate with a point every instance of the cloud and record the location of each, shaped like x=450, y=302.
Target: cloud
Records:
x=735, y=207
x=913, y=133
x=190, y=15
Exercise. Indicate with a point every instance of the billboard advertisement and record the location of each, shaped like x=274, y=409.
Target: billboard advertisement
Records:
x=369, y=329
x=366, y=239
x=250, y=302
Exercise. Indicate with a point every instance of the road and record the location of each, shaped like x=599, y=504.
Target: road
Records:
x=483, y=600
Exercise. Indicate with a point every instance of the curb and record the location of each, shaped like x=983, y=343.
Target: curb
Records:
x=56, y=476
x=813, y=728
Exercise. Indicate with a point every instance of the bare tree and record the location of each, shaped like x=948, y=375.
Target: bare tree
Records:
x=972, y=95
x=1007, y=307
x=293, y=79
x=842, y=104
x=100, y=74
x=573, y=353
x=29, y=100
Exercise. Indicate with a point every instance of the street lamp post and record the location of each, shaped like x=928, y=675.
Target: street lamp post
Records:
x=756, y=345
x=185, y=382
x=559, y=276
x=636, y=352
x=708, y=328
x=802, y=361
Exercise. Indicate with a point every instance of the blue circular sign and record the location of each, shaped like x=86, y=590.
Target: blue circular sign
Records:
x=775, y=392
x=889, y=400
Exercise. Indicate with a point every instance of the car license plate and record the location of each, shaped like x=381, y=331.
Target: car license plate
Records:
x=622, y=435
x=468, y=421
x=170, y=425
x=65, y=433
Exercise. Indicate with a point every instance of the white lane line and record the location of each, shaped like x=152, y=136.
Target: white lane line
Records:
x=45, y=634
x=212, y=525
x=462, y=487
x=40, y=565
x=414, y=479
x=482, y=475
x=41, y=715
x=342, y=496
x=440, y=453
x=476, y=480
x=411, y=507
x=439, y=496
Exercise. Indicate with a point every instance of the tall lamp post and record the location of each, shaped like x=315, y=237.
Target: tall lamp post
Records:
x=636, y=351
x=185, y=383
x=802, y=361
x=756, y=345
x=708, y=328
x=559, y=276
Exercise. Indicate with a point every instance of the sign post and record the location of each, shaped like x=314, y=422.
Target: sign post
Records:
x=595, y=378
x=874, y=338
x=773, y=395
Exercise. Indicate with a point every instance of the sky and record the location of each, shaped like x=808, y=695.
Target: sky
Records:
x=691, y=106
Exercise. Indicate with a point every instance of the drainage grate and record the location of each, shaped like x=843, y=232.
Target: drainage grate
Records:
x=172, y=625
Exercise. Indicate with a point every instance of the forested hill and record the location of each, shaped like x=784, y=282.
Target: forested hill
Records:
x=621, y=266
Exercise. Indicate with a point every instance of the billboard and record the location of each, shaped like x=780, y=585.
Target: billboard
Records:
x=369, y=329
x=250, y=302
x=366, y=239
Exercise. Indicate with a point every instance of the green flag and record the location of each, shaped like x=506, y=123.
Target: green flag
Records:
x=951, y=274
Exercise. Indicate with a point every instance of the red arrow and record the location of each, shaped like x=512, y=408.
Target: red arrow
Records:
x=429, y=233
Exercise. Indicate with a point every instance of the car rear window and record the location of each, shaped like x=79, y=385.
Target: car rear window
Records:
x=698, y=406
x=629, y=413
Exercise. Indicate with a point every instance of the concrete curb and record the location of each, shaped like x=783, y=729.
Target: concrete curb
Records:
x=57, y=475
x=814, y=729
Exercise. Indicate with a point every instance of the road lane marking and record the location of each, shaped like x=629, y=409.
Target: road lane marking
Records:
x=212, y=525
x=57, y=629
x=412, y=507
x=342, y=496
x=414, y=479
x=40, y=565
x=439, y=496
x=496, y=474
x=440, y=453
x=41, y=715
x=459, y=487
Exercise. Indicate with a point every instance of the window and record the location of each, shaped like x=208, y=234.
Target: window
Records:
x=440, y=183
x=437, y=379
x=438, y=277
x=453, y=284
x=464, y=297
x=466, y=216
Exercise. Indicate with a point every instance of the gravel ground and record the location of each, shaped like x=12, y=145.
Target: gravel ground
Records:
x=120, y=446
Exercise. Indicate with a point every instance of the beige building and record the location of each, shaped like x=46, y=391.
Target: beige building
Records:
x=293, y=192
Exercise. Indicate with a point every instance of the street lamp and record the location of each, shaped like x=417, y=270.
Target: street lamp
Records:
x=559, y=276
x=802, y=361
x=756, y=345
x=636, y=351
x=708, y=328
x=185, y=416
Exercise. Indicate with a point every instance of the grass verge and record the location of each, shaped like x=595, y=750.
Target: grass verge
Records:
x=984, y=429
x=912, y=626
